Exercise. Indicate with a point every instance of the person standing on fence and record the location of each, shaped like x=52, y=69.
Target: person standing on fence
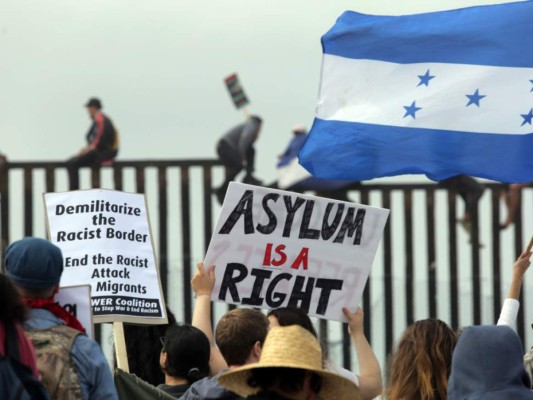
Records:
x=102, y=142
x=236, y=151
x=71, y=365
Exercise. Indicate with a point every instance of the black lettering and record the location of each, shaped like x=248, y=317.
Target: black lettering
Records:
x=244, y=206
x=327, y=229
x=255, y=298
x=272, y=221
x=275, y=300
x=303, y=297
x=352, y=226
x=305, y=231
x=327, y=285
x=291, y=210
x=229, y=281
x=60, y=209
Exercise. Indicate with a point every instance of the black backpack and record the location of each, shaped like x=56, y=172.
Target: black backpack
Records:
x=17, y=381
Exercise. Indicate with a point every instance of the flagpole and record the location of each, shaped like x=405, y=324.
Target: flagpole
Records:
x=246, y=113
x=120, y=346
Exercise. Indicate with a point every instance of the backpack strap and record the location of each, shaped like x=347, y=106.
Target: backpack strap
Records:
x=11, y=341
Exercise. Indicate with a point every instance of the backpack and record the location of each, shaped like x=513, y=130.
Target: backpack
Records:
x=17, y=381
x=53, y=349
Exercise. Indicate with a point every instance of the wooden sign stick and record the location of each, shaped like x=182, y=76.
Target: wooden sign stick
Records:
x=120, y=346
x=530, y=245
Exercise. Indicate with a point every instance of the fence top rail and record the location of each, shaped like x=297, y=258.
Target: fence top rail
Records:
x=193, y=162
x=205, y=162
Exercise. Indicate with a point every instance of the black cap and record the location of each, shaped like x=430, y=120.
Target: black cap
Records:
x=94, y=102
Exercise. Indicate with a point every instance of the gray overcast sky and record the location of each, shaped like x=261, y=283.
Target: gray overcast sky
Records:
x=158, y=66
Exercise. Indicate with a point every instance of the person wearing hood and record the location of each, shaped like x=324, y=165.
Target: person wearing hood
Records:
x=487, y=364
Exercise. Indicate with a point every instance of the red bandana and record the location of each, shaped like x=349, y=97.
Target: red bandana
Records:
x=50, y=305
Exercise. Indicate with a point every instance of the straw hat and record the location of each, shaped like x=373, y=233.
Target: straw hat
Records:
x=291, y=347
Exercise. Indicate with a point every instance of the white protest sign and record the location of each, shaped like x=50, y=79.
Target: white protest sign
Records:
x=77, y=301
x=274, y=248
x=106, y=242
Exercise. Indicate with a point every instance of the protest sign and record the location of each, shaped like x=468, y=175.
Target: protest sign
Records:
x=274, y=248
x=77, y=301
x=236, y=91
x=106, y=241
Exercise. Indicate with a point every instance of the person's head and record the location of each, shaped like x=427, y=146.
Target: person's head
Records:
x=257, y=119
x=290, y=365
x=12, y=308
x=35, y=266
x=421, y=363
x=185, y=353
x=488, y=364
x=94, y=105
x=240, y=334
x=286, y=316
x=298, y=129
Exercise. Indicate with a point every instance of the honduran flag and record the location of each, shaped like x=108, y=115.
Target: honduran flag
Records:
x=441, y=94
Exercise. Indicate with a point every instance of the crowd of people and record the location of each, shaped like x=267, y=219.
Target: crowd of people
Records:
x=249, y=354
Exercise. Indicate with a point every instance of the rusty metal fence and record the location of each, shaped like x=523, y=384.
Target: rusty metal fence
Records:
x=426, y=266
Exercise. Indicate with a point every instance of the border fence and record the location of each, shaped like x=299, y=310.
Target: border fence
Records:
x=427, y=266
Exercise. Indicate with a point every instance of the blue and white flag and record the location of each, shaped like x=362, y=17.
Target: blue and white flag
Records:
x=441, y=94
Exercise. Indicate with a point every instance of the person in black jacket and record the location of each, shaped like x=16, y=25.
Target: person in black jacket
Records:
x=236, y=151
x=102, y=142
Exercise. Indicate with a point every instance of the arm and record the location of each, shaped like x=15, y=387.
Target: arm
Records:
x=370, y=382
x=202, y=283
x=511, y=304
x=96, y=380
x=99, y=120
x=249, y=133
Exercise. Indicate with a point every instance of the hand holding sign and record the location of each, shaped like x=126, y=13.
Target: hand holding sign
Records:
x=203, y=281
x=355, y=320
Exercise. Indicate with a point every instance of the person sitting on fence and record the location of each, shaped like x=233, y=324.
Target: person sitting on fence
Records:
x=290, y=367
x=239, y=335
x=420, y=365
x=487, y=364
x=184, y=358
x=470, y=191
x=369, y=380
x=102, y=142
x=69, y=362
